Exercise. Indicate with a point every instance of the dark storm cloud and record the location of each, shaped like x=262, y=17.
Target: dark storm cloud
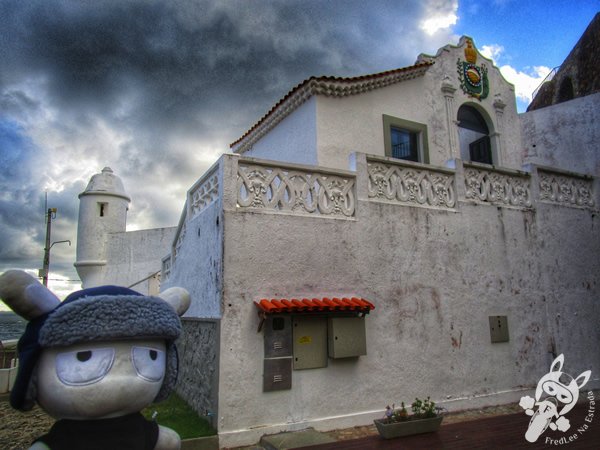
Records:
x=160, y=63
x=158, y=89
x=22, y=206
x=16, y=221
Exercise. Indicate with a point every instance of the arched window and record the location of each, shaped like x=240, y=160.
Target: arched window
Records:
x=474, y=136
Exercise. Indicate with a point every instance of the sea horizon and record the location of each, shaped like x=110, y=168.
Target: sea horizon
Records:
x=11, y=325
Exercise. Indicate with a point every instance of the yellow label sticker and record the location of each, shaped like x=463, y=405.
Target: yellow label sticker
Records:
x=305, y=340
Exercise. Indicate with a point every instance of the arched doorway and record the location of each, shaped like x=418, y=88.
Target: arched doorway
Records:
x=474, y=136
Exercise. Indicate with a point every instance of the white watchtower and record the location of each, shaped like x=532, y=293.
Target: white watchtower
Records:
x=102, y=209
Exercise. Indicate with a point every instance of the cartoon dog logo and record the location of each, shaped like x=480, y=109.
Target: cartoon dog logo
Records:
x=555, y=390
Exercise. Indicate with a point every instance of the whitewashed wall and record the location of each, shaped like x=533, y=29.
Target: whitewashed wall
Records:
x=102, y=210
x=565, y=135
x=436, y=262
x=196, y=260
x=134, y=255
x=355, y=123
x=196, y=264
x=343, y=125
x=435, y=273
x=293, y=139
x=445, y=96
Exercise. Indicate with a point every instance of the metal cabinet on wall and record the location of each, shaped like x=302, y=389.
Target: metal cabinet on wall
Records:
x=308, y=341
x=346, y=337
x=277, y=368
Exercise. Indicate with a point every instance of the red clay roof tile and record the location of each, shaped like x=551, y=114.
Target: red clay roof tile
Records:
x=325, y=304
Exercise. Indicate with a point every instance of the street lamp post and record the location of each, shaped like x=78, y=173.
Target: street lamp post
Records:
x=44, y=272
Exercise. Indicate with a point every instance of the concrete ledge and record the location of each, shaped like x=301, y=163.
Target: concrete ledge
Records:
x=201, y=443
x=248, y=436
x=295, y=439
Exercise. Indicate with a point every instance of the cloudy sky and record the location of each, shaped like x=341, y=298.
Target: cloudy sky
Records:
x=158, y=89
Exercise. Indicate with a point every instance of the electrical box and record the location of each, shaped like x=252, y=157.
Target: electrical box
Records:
x=277, y=374
x=499, y=329
x=277, y=367
x=310, y=342
x=278, y=337
x=346, y=337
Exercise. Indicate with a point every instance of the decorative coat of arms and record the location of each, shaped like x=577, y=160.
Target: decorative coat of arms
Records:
x=473, y=78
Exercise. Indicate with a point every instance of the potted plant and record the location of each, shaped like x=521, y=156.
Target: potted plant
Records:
x=425, y=418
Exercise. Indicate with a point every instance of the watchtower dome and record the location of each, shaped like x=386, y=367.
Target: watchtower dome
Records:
x=102, y=209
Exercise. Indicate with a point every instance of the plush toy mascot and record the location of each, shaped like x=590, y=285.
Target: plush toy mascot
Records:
x=94, y=361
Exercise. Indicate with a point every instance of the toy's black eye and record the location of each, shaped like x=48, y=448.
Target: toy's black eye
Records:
x=84, y=356
x=85, y=366
x=149, y=363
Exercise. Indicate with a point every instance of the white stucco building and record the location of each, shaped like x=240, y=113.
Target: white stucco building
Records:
x=106, y=252
x=384, y=237
x=471, y=229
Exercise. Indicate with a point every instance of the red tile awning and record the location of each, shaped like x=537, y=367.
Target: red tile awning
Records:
x=335, y=304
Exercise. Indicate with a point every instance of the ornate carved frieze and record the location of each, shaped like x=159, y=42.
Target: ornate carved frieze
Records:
x=295, y=191
x=497, y=187
x=565, y=190
x=204, y=194
x=410, y=185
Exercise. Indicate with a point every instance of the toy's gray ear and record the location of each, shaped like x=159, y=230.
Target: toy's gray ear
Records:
x=178, y=298
x=25, y=295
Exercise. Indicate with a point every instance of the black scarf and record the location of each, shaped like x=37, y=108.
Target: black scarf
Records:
x=127, y=432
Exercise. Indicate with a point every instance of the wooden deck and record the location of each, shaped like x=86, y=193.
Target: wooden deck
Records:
x=495, y=432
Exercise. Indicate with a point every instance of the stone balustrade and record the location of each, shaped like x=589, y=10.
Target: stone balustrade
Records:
x=204, y=192
x=497, y=186
x=200, y=196
x=295, y=189
x=247, y=184
x=415, y=184
x=565, y=188
x=409, y=183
